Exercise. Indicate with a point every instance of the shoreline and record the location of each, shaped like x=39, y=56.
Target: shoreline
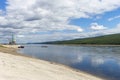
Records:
x=85, y=44
x=53, y=68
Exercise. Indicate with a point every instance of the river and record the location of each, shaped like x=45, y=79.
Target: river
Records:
x=102, y=61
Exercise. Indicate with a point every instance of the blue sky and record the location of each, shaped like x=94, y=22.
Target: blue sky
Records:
x=36, y=21
x=103, y=20
x=2, y=4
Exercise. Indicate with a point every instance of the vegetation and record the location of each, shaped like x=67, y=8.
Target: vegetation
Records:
x=1, y=45
x=113, y=39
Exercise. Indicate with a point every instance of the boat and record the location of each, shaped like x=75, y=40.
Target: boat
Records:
x=20, y=46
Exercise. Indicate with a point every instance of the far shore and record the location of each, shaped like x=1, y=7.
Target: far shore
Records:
x=86, y=44
x=97, y=45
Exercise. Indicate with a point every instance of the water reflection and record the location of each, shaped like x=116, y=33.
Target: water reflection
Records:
x=101, y=61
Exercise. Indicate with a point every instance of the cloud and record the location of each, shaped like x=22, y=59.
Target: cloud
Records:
x=31, y=16
x=116, y=17
x=1, y=12
x=65, y=36
x=20, y=36
x=95, y=26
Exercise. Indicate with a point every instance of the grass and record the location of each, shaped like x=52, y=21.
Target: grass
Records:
x=1, y=46
x=113, y=39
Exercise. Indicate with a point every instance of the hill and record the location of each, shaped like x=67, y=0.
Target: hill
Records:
x=113, y=39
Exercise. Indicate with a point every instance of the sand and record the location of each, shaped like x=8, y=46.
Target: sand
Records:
x=14, y=67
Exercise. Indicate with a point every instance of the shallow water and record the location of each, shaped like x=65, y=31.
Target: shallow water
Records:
x=102, y=61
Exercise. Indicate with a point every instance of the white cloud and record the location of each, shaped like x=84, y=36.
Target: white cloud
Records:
x=1, y=12
x=116, y=17
x=25, y=16
x=113, y=30
x=96, y=26
x=65, y=36
x=20, y=36
x=79, y=30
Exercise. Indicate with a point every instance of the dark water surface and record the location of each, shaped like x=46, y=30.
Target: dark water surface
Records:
x=102, y=61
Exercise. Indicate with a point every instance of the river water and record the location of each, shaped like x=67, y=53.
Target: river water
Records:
x=102, y=61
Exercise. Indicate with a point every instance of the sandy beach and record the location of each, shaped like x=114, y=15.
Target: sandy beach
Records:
x=15, y=67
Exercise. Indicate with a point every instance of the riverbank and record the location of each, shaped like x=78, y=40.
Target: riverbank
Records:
x=14, y=67
x=94, y=45
x=10, y=49
x=87, y=45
